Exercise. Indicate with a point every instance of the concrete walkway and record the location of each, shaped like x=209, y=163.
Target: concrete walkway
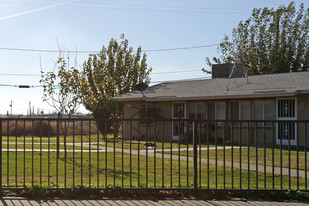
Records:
x=15, y=201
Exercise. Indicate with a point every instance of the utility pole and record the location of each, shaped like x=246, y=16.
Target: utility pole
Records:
x=11, y=105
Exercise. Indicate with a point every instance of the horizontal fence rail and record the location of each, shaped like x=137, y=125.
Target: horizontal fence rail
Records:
x=159, y=154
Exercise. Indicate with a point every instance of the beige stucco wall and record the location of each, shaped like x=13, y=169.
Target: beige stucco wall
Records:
x=165, y=108
x=157, y=129
x=303, y=114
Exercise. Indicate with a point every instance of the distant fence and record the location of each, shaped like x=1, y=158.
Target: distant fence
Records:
x=159, y=154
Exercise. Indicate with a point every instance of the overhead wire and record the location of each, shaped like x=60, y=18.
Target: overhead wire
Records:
x=38, y=75
x=95, y=51
x=139, y=7
x=151, y=82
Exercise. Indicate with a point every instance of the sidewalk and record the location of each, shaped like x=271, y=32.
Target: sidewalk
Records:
x=16, y=201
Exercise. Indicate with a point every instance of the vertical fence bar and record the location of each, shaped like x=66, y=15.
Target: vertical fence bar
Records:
x=8, y=155
x=114, y=151
x=179, y=132
x=216, y=155
x=264, y=141
x=289, y=158
x=65, y=153
x=240, y=169
x=273, y=154
x=32, y=152
x=57, y=159
x=41, y=164
x=163, y=140
x=208, y=134
x=147, y=154
x=98, y=156
x=58, y=140
x=16, y=126
x=89, y=144
x=105, y=134
x=171, y=153
x=256, y=157
x=155, y=155
x=138, y=153
x=305, y=148
x=24, y=153
x=200, y=155
x=194, y=156
x=130, y=154
x=81, y=152
x=73, y=135
x=248, y=151
x=48, y=154
x=1, y=154
x=130, y=134
x=187, y=138
x=280, y=136
x=297, y=151
x=232, y=154
x=224, y=172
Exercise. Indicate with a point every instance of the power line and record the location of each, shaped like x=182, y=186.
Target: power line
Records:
x=140, y=7
x=171, y=72
x=151, y=82
x=24, y=75
x=92, y=51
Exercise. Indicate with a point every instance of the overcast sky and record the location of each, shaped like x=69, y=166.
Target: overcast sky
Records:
x=81, y=25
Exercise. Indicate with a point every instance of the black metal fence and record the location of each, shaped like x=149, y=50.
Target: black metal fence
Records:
x=170, y=154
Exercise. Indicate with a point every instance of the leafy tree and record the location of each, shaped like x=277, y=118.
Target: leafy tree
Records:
x=270, y=41
x=55, y=91
x=113, y=71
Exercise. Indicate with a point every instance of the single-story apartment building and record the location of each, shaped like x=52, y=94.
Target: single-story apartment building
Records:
x=228, y=95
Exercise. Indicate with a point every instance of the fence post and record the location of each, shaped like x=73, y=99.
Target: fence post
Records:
x=194, y=156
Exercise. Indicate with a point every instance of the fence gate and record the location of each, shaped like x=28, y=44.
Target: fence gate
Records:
x=286, y=131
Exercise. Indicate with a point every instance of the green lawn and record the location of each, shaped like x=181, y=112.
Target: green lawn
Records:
x=44, y=146
x=135, y=145
x=268, y=156
x=121, y=170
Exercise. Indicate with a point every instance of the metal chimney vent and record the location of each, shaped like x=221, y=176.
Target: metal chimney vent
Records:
x=224, y=71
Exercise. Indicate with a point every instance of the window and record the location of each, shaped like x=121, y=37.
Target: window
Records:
x=179, y=110
x=240, y=110
x=216, y=111
x=264, y=110
x=196, y=110
x=146, y=115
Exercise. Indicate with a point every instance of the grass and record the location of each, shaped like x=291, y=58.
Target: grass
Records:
x=135, y=145
x=239, y=155
x=117, y=169
x=44, y=146
x=268, y=156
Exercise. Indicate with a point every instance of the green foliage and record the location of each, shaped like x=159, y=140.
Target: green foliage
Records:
x=116, y=70
x=57, y=87
x=270, y=41
x=113, y=71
